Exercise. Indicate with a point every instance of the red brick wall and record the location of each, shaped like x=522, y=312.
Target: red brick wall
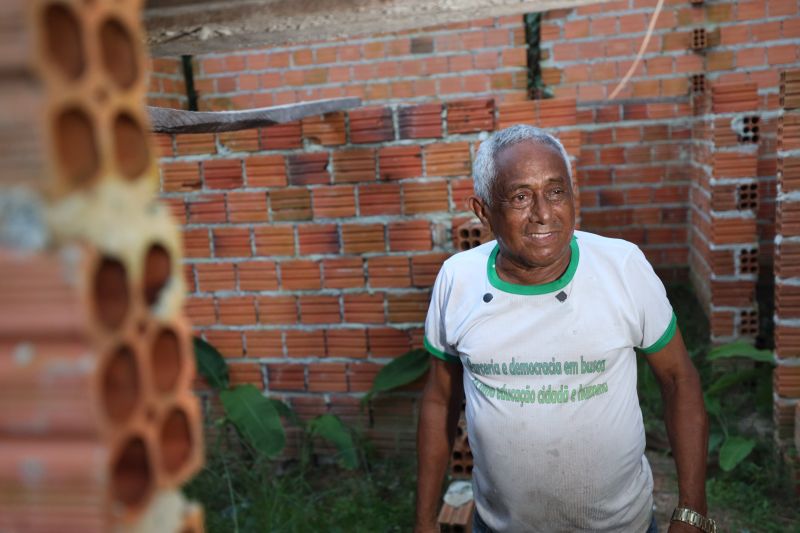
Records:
x=482, y=57
x=311, y=246
x=350, y=214
x=587, y=50
x=167, y=86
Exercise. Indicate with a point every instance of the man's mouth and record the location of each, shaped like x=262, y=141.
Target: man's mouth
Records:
x=541, y=235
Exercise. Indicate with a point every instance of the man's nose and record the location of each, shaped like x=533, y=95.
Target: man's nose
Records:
x=541, y=210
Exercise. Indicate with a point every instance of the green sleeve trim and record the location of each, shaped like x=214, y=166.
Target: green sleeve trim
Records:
x=665, y=338
x=438, y=353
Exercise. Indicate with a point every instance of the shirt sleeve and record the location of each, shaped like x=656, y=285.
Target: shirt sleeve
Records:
x=657, y=321
x=435, y=335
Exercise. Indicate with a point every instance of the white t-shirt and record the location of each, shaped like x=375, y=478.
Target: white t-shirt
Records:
x=554, y=421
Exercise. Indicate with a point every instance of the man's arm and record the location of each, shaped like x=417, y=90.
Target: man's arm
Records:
x=686, y=421
x=438, y=419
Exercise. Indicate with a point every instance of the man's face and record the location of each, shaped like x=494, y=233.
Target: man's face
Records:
x=532, y=213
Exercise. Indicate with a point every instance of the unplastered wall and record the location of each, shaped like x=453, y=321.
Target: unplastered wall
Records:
x=643, y=143
x=167, y=83
x=312, y=246
x=481, y=57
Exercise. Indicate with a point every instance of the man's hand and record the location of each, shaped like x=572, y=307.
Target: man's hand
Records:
x=438, y=419
x=687, y=424
x=682, y=527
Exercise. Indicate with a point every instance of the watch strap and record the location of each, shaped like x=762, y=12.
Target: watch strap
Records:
x=693, y=518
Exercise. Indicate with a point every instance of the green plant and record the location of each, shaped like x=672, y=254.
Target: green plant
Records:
x=404, y=370
x=725, y=401
x=257, y=418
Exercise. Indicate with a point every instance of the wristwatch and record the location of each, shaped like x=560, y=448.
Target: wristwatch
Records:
x=693, y=518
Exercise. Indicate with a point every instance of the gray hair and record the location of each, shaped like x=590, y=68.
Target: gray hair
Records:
x=484, y=169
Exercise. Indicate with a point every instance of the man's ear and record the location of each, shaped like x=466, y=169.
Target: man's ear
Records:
x=481, y=211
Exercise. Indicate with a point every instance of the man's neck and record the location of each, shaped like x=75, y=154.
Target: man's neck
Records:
x=513, y=271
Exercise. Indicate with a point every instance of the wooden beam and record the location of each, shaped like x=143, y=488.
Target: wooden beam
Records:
x=164, y=120
x=193, y=27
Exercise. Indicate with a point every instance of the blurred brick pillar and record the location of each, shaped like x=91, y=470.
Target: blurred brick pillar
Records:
x=787, y=261
x=723, y=201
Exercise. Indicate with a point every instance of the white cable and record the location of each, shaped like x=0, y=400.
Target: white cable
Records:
x=645, y=42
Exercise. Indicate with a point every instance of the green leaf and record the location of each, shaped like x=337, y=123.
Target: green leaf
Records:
x=211, y=364
x=740, y=349
x=402, y=371
x=286, y=412
x=713, y=406
x=729, y=380
x=255, y=417
x=333, y=430
x=714, y=440
x=733, y=451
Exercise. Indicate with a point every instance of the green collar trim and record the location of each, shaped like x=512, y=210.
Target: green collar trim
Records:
x=513, y=288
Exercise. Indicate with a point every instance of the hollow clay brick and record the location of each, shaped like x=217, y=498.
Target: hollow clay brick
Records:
x=361, y=238
x=319, y=309
x=274, y=240
x=281, y=136
x=351, y=343
x=470, y=116
x=398, y=162
x=334, y=202
x=306, y=344
x=425, y=197
x=327, y=130
x=257, y=276
x=389, y=271
x=350, y=166
x=299, y=275
x=371, y=125
x=309, y=169
x=265, y=171
x=419, y=122
x=410, y=235
x=447, y=159
x=342, y=273
x=379, y=199
x=364, y=308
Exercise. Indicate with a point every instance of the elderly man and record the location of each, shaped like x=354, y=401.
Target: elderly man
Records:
x=538, y=330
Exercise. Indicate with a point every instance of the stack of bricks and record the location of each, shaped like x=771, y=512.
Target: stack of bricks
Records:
x=787, y=263
x=724, y=199
x=99, y=426
x=312, y=246
x=454, y=61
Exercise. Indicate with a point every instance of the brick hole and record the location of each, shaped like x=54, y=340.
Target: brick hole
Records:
x=132, y=474
x=122, y=389
x=111, y=295
x=157, y=272
x=166, y=360
x=76, y=147
x=458, y=469
x=119, y=53
x=748, y=196
x=175, y=439
x=464, y=233
x=698, y=83
x=475, y=244
x=62, y=32
x=457, y=456
x=748, y=261
x=469, y=469
x=748, y=323
x=464, y=245
x=698, y=39
x=130, y=146
x=476, y=232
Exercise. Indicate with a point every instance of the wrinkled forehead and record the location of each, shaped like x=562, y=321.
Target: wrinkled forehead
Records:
x=542, y=158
